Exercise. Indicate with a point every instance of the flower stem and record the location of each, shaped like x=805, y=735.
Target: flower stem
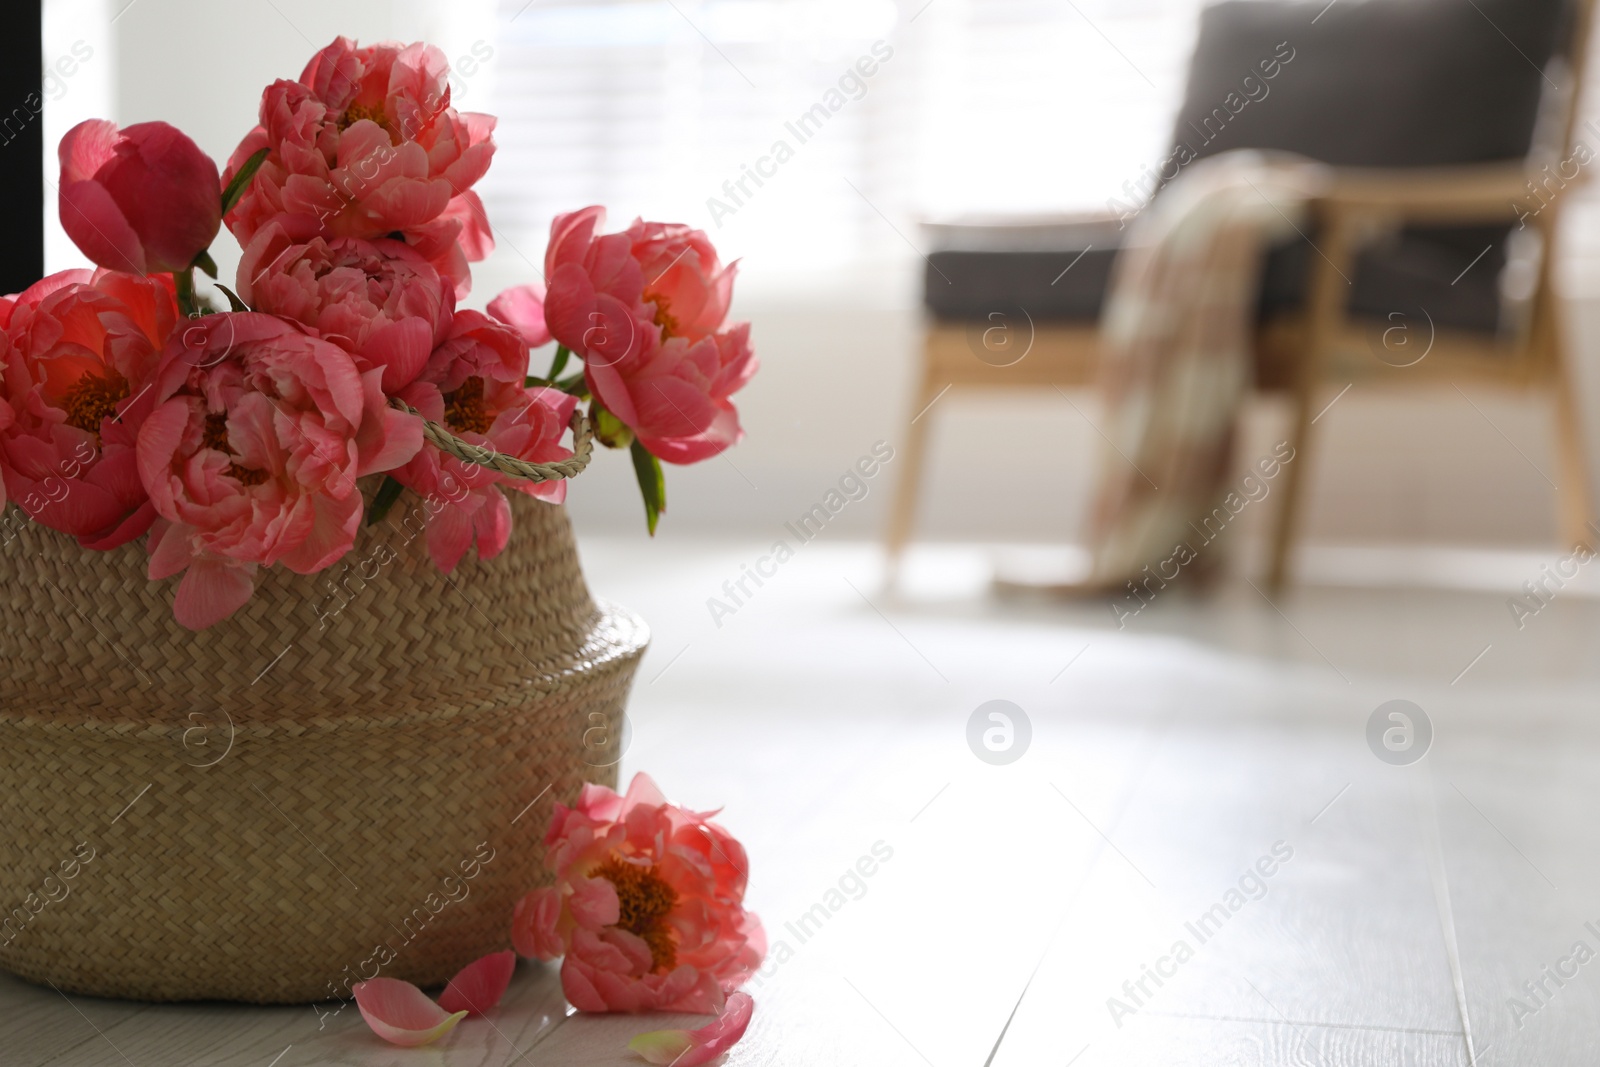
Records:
x=563, y=353
x=574, y=386
x=183, y=281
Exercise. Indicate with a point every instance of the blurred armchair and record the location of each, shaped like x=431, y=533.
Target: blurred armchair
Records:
x=1453, y=130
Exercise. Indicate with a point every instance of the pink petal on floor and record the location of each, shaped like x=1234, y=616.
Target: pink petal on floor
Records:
x=480, y=984
x=687, y=1048
x=402, y=1014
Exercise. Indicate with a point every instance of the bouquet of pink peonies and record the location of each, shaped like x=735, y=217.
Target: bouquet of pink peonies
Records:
x=237, y=438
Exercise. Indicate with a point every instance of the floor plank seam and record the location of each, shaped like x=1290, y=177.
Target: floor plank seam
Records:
x=57, y=1058
x=1367, y=1027
x=544, y=1032
x=1125, y=801
x=1433, y=844
x=99, y=1033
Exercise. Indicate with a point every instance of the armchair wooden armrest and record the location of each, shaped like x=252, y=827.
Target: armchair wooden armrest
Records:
x=1490, y=192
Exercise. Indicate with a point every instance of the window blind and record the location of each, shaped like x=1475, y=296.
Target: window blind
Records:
x=811, y=134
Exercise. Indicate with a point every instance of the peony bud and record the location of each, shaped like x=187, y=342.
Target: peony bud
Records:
x=144, y=199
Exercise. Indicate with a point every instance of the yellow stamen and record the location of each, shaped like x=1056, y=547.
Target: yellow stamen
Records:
x=645, y=900
x=664, y=318
x=356, y=112
x=463, y=408
x=92, y=399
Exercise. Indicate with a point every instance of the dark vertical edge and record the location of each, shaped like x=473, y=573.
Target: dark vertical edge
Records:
x=22, y=148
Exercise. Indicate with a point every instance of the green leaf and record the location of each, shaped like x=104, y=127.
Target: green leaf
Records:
x=574, y=386
x=387, y=494
x=206, y=263
x=563, y=353
x=652, y=486
x=241, y=181
x=234, y=303
x=608, y=429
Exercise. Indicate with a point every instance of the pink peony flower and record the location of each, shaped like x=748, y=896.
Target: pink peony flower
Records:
x=7, y=419
x=648, y=905
x=674, y=393
x=378, y=299
x=366, y=145
x=144, y=199
x=473, y=384
x=645, y=309
x=251, y=456
x=689, y=287
x=80, y=352
x=523, y=307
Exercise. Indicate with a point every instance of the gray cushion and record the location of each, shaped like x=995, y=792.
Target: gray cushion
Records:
x=1417, y=272
x=968, y=285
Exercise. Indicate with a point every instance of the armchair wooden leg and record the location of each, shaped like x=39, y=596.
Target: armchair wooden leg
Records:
x=1328, y=289
x=1291, y=492
x=911, y=454
x=1551, y=359
x=1574, y=504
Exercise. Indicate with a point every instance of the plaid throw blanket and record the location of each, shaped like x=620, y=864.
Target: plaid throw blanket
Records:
x=1176, y=343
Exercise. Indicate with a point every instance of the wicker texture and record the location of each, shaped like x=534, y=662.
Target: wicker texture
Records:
x=275, y=804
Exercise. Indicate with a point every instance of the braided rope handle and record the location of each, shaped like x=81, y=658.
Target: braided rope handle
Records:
x=438, y=435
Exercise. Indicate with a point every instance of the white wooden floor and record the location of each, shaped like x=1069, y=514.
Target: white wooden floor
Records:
x=1166, y=761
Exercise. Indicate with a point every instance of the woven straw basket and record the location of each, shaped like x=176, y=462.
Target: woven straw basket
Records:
x=351, y=775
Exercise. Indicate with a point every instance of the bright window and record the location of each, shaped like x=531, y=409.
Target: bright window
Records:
x=696, y=111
